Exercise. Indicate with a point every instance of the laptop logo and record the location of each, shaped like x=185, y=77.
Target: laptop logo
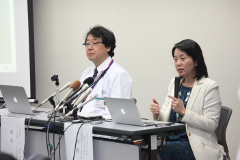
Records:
x=123, y=112
x=15, y=99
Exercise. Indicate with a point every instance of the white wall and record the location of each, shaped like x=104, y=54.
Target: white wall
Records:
x=146, y=31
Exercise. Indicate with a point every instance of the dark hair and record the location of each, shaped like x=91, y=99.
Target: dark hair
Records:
x=37, y=157
x=108, y=38
x=6, y=156
x=193, y=50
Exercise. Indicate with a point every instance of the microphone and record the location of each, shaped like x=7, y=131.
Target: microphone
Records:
x=80, y=92
x=74, y=95
x=176, y=87
x=53, y=95
x=69, y=102
x=89, y=90
x=176, y=92
x=88, y=81
x=74, y=86
x=80, y=106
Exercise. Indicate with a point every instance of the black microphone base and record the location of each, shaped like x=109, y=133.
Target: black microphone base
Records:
x=54, y=115
x=65, y=119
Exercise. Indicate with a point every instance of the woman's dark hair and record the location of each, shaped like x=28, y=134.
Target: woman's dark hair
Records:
x=193, y=50
x=108, y=38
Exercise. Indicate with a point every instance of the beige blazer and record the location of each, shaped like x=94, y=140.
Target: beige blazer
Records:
x=201, y=118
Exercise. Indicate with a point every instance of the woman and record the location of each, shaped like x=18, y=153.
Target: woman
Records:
x=198, y=106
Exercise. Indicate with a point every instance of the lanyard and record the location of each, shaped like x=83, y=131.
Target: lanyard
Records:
x=103, y=73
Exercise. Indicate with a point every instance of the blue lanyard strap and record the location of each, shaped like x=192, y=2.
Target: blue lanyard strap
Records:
x=101, y=76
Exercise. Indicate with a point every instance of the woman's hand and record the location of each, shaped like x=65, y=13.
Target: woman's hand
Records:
x=155, y=109
x=177, y=105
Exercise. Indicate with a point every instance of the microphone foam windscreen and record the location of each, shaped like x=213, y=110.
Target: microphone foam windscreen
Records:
x=75, y=85
x=89, y=80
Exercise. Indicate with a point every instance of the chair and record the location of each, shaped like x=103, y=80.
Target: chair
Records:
x=135, y=100
x=221, y=129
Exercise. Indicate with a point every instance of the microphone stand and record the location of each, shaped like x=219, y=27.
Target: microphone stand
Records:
x=55, y=78
x=57, y=95
x=74, y=114
x=69, y=108
x=52, y=102
x=57, y=91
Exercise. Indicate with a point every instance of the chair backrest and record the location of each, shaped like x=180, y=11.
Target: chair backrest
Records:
x=222, y=128
x=135, y=100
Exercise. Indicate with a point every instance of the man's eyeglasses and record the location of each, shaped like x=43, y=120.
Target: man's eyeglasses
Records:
x=94, y=44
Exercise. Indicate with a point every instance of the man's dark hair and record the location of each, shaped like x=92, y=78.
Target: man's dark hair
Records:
x=108, y=38
x=5, y=156
x=193, y=50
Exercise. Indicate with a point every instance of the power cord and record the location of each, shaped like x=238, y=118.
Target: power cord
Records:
x=3, y=106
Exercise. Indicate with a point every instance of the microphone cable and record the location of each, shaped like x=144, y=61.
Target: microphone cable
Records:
x=51, y=147
x=26, y=132
x=3, y=106
x=77, y=137
x=53, y=128
x=48, y=144
x=60, y=137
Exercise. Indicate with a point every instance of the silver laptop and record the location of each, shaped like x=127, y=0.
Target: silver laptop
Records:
x=125, y=111
x=16, y=100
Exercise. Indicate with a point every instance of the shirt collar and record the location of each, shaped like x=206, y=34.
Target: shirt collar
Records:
x=104, y=65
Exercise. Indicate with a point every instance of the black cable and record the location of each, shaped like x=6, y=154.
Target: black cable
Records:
x=53, y=128
x=32, y=115
x=47, y=140
x=48, y=144
x=76, y=140
x=61, y=138
x=59, y=142
x=26, y=132
x=3, y=105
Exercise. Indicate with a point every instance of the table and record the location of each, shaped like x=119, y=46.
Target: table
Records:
x=149, y=134
x=127, y=134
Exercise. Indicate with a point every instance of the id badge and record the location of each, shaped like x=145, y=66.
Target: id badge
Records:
x=100, y=103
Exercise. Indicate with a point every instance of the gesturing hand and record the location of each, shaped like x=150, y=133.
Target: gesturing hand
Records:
x=177, y=105
x=154, y=107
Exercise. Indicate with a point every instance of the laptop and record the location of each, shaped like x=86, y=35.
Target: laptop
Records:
x=125, y=111
x=16, y=100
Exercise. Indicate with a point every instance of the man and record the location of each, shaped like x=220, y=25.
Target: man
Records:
x=116, y=82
